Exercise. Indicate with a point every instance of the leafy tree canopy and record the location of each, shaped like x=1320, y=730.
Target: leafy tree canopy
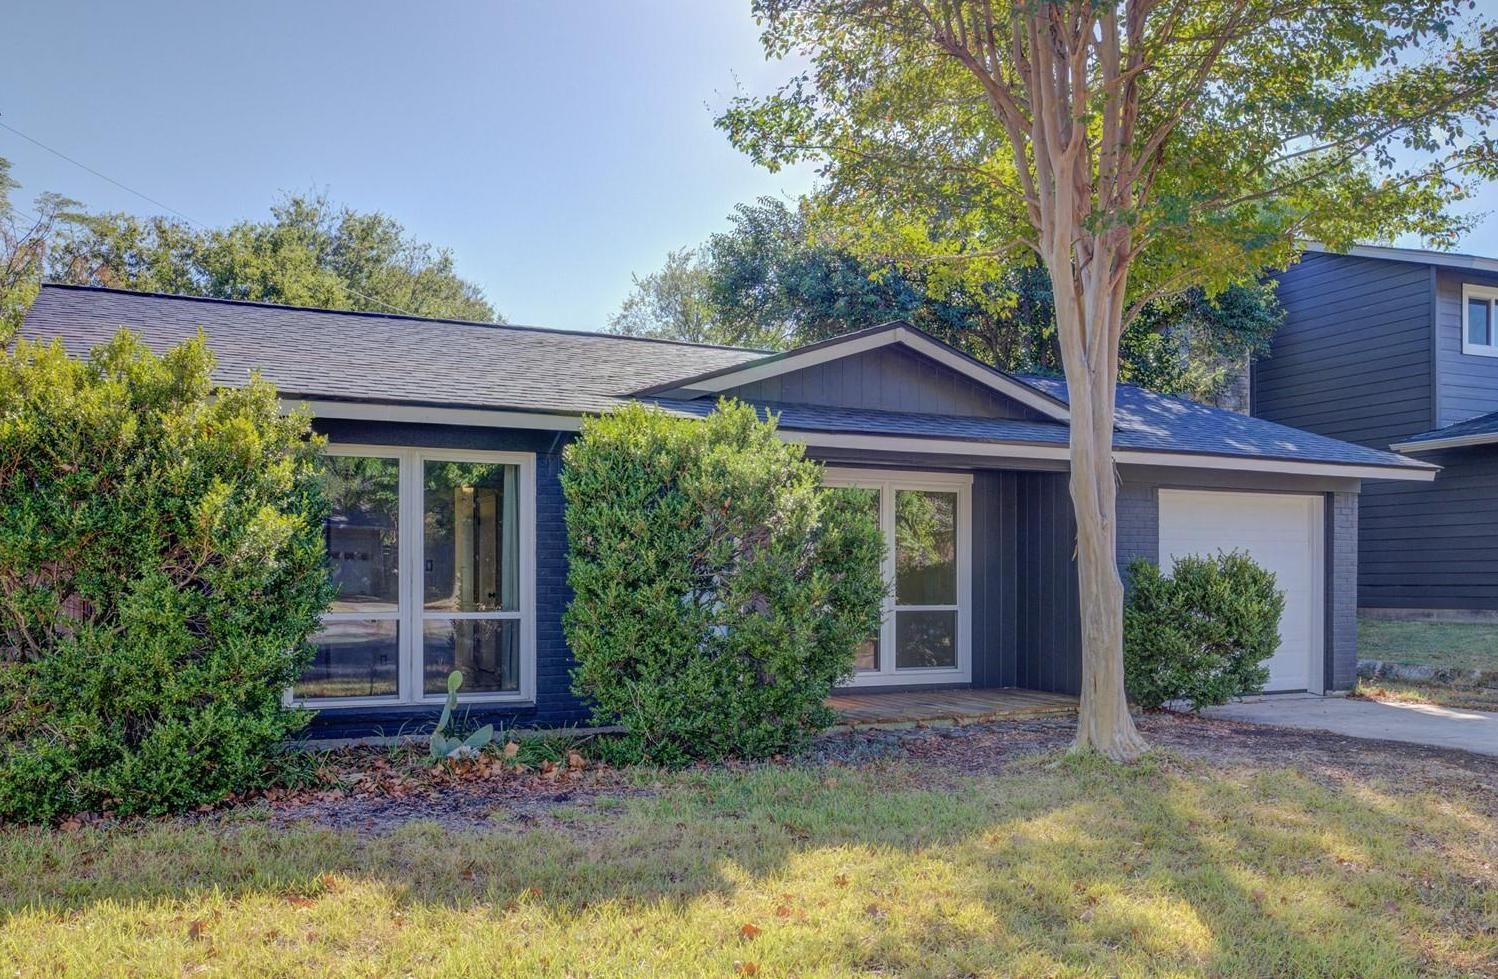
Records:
x=309, y=252
x=772, y=280
x=1256, y=126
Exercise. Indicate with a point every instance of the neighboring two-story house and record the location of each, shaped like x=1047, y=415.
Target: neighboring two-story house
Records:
x=1394, y=347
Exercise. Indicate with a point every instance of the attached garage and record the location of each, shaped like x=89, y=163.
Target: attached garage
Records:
x=1283, y=532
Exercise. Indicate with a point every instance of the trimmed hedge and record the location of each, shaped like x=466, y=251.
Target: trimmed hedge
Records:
x=160, y=572
x=720, y=590
x=1200, y=633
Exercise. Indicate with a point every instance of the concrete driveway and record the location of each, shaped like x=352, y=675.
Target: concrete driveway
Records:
x=1439, y=727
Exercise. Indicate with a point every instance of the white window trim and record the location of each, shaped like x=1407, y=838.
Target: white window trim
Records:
x=1471, y=291
x=888, y=481
x=412, y=615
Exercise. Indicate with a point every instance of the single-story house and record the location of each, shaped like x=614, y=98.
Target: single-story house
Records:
x=1398, y=348
x=448, y=544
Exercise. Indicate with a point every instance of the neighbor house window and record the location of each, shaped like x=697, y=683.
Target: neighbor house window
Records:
x=429, y=553
x=924, y=635
x=1480, y=320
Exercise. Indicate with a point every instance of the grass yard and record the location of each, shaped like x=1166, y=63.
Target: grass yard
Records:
x=1449, y=645
x=1459, y=696
x=1233, y=851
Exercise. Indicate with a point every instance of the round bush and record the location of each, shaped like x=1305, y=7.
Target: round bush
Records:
x=160, y=572
x=1200, y=633
x=720, y=590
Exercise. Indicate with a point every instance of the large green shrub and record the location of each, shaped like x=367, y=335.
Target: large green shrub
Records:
x=160, y=571
x=1201, y=632
x=720, y=590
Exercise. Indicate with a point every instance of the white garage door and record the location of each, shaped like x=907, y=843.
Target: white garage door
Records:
x=1282, y=533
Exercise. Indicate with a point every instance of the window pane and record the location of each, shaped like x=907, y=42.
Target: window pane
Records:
x=925, y=640
x=487, y=651
x=355, y=658
x=472, y=545
x=1480, y=322
x=361, y=532
x=925, y=548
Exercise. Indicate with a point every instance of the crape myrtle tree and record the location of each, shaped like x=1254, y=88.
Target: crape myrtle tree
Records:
x=1134, y=148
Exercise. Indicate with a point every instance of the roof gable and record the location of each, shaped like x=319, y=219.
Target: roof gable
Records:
x=799, y=369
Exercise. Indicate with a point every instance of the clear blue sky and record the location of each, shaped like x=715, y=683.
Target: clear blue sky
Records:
x=555, y=147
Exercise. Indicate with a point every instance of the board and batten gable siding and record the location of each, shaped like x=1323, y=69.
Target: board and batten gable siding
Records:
x=1434, y=545
x=1466, y=384
x=887, y=379
x=1354, y=357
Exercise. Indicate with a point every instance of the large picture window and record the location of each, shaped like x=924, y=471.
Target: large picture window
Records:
x=430, y=553
x=924, y=635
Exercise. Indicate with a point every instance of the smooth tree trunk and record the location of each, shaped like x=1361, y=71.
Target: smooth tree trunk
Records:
x=1089, y=311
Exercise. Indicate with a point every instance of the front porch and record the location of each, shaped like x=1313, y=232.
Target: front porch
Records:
x=920, y=708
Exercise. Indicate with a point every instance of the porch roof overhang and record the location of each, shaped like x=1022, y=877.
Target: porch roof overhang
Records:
x=957, y=436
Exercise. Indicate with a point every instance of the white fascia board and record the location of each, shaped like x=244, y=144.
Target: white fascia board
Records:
x=363, y=411
x=924, y=345
x=426, y=415
x=1455, y=442
x=1127, y=457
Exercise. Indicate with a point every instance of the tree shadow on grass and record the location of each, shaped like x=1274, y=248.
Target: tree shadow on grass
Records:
x=1055, y=867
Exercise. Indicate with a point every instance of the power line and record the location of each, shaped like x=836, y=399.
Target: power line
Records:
x=101, y=176
x=146, y=197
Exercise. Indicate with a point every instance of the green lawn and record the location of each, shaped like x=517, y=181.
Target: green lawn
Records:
x=1454, y=645
x=1045, y=866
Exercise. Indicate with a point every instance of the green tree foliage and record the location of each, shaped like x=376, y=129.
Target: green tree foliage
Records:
x=23, y=249
x=160, y=572
x=720, y=590
x=671, y=303
x=769, y=282
x=311, y=252
x=1200, y=633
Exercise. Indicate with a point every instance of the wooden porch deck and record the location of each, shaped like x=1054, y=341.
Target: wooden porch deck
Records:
x=907, y=708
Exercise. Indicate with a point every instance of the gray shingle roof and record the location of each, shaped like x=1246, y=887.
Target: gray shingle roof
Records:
x=324, y=354
x=1149, y=421
x=1146, y=422
x=328, y=355
x=1472, y=427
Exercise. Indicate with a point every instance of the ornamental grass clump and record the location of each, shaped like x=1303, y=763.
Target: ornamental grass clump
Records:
x=1202, y=632
x=161, y=569
x=719, y=589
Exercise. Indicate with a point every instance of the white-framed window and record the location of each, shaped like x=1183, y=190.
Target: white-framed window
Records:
x=432, y=552
x=1480, y=320
x=925, y=635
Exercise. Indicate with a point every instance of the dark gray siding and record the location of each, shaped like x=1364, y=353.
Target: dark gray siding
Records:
x=1467, y=384
x=888, y=378
x=1047, y=615
x=1434, y=545
x=1026, y=626
x=1353, y=359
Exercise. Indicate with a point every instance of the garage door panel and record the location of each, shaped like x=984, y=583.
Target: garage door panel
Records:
x=1282, y=533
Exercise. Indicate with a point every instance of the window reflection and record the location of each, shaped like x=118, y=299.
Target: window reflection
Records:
x=471, y=550
x=362, y=533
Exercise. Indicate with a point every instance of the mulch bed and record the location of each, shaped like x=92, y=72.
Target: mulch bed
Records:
x=369, y=791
